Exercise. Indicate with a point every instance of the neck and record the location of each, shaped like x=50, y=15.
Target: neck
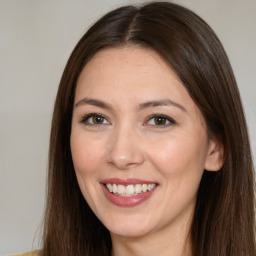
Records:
x=173, y=241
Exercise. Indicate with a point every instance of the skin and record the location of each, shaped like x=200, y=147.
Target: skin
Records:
x=129, y=143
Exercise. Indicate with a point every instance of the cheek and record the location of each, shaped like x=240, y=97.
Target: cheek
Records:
x=86, y=158
x=178, y=156
x=86, y=155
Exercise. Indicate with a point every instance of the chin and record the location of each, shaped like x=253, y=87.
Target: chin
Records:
x=129, y=228
x=129, y=232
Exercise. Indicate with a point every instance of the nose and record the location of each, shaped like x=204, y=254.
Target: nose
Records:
x=125, y=149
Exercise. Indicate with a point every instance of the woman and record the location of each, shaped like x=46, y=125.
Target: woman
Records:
x=149, y=149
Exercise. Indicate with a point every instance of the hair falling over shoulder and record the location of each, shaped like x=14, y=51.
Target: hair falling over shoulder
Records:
x=224, y=220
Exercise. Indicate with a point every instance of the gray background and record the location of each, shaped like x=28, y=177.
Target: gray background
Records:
x=36, y=38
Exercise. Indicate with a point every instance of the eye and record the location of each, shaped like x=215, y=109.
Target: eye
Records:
x=94, y=119
x=160, y=120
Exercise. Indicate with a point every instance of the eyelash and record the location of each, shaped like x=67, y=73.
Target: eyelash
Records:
x=92, y=115
x=162, y=117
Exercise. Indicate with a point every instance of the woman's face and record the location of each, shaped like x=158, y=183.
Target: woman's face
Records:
x=139, y=143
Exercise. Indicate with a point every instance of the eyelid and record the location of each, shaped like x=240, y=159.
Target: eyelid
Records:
x=87, y=116
x=169, y=119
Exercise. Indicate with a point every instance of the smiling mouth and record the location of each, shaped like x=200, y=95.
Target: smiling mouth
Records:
x=129, y=190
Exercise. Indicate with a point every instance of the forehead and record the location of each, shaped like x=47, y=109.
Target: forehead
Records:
x=129, y=69
x=126, y=77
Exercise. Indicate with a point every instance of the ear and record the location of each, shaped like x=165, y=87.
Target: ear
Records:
x=215, y=155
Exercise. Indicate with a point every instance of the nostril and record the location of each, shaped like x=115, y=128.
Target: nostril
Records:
x=125, y=160
x=123, y=151
x=122, y=165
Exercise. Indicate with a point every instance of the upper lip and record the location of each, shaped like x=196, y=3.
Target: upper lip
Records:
x=126, y=182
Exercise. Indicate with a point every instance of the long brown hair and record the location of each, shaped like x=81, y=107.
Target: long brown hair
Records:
x=224, y=221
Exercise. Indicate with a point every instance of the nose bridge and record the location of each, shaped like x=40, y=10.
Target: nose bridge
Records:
x=125, y=150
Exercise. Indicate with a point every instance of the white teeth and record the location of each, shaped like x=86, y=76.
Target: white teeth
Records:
x=151, y=186
x=120, y=189
x=110, y=188
x=138, y=188
x=144, y=187
x=129, y=190
x=114, y=188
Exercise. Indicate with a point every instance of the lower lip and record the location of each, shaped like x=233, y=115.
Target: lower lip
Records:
x=125, y=201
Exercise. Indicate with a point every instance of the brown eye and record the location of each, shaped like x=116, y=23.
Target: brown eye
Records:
x=97, y=120
x=94, y=119
x=160, y=121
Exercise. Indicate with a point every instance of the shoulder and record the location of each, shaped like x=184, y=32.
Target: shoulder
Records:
x=31, y=253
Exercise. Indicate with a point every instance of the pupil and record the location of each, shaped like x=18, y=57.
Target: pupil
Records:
x=97, y=119
x=160, y=121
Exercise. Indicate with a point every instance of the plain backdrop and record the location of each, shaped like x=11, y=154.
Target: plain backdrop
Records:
x=36, y=38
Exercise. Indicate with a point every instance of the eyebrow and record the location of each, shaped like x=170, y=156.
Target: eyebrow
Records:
x=93, y=102
x=157, y=103
x=148, y=104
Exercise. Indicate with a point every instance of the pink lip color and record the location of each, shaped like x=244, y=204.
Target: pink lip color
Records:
x=123, y=201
